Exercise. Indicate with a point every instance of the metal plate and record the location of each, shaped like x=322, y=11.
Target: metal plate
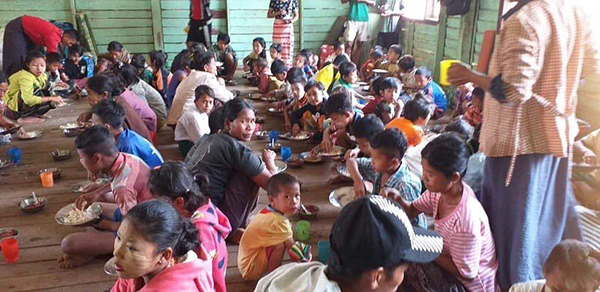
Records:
x=93, y=211
x=341, y=197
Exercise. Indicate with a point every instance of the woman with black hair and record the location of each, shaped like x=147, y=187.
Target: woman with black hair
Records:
x=118, y=52
x=154, y=251
x=234, y=170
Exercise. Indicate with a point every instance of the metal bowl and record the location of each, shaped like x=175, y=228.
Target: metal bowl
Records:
x=55, y=172
x=274, y=146
x=61, y=155
x=262, y=135
x=6, y=233
x=308, y=216
x=29, y=205
x=296, y=162
x=309, y=158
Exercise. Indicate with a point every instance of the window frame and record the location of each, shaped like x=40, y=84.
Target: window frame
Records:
x=429, y=17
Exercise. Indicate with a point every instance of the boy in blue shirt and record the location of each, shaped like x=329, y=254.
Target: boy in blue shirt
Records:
x=431, y=91
x=110, y=114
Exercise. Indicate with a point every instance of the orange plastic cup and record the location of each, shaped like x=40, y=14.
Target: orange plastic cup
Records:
x=47, y=180
x=10, y=249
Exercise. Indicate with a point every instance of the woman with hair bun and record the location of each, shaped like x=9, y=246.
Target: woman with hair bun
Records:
x=154, y=251
x=174, y=182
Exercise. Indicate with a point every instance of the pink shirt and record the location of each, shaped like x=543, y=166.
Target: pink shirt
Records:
x=263, y=81
x=213, y=227
x=129, y=181
x=141, y=108
x=467, y=238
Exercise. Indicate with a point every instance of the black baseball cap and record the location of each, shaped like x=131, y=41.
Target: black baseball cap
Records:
x=373, y=232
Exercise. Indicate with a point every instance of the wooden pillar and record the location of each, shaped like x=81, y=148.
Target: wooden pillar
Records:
x=410, y=37
x=73, y=6
x=439, y=52
x=157, y=25
x=466, y=34
x=228, y=3
x=301, y=19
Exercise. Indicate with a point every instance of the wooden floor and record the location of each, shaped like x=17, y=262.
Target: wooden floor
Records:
x=40, y=235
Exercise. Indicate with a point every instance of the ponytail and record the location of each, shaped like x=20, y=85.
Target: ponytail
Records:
x=188, y=239
x=173, y=180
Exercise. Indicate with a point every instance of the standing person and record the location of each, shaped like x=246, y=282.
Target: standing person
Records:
x=357, y=27
x=27, y=33
x=542, y=52
x=285, y=13
x=391, y=31
x=199, y=25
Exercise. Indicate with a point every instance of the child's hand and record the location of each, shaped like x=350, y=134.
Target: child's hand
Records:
x=391, y=193
x=360, y=190
x=86, y=199
x=590, y=158
x=326, y=145
x=352, y=153
x=295, y=130
x=56, y=99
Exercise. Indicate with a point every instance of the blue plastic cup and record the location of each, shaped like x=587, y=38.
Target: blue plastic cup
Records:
x=324, y=247
x=15, y=154
x=273, y=135
x=286, y=153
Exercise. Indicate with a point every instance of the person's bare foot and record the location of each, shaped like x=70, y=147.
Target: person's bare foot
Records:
x=66, y=261
x=30, y=120
x=236, y=236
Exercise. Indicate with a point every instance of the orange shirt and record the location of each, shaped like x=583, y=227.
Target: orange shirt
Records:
x=414, y=134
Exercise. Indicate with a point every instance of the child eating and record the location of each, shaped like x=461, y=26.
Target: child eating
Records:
x=344, y=119
x=174, y=182
x=225, y=54
x=469, y=251
x=128, y=186
x=53, y=69
x=301, y=61
x=432, y=91
x=389, y=92
x=262, y=74
x=310, y=117
x=277, y=80
x=269, y=234
x=384, y=170
x=193, y=124
x=298, y=100
x=154, y=251
x=258, y=51
x=24, y=99
x=75, y=66
x=275, y=52
x=416, y=115
x=348, y=76
x=330, y=73
x=474, y=114
x=280, y=72
x=462, y=99
x=571, y=266
x=375, y=57
x=110, y=114
x=391, y=62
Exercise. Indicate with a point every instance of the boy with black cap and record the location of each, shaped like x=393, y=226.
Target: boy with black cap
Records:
x=372, y=244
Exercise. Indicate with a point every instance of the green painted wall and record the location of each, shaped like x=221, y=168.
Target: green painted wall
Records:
x=51, y=9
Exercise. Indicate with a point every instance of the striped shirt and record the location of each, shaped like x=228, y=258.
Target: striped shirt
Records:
x=129, y=181
x=467, y=239
x=543, y=50
x=589, y=221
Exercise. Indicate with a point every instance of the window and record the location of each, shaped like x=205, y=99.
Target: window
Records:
x=422, y=9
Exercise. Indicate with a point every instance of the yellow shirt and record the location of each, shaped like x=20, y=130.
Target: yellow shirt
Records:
x=265, y=230
x=414, y=134
x=25, y=86
x=325, y=76
x=274, y=83
x=392, y=68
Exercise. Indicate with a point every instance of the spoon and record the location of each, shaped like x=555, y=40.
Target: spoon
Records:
x=35, y=198
x=305, y=210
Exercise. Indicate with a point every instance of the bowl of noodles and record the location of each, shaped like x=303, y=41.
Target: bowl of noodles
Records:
x=69, y=215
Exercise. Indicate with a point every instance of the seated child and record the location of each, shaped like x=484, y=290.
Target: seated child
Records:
x=174, y=181
x=104, y=63
x=416, y=115
x=262, y=75
x=344, y=119
x=269, y=234
x=474, y=114
x=277, y=80
x=329, y=55
x=384, y=112
x=75, y=67
x=127, y=186
x=53, y=69
x=225, y=54
x=431, y=90
x=258, y=51
x=375, y=57
x=275, y=52
x=389, y=92
x=586, y=183
x=301, y=61
x=293, y=75
x=111, y=115
x=193, y=124
x=469, y=251
x=310, y=117
x=330, y=73
x=161, y=77
x=384, y=170
x=154, y=251
x=462, y=99
x=280, y=72
x=571, y=266
x=144, y=72
x=313, y=60
x=298, y=101
x=5, y=124
x=24, y=100
x=391, y=61
x=348, y=76
x=184, y=69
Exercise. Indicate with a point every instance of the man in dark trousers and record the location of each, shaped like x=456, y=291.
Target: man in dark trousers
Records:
x=200, y=26
x=28, y=33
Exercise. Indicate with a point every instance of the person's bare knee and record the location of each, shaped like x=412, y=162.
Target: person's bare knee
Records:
x=276, y=257
x=68, y=244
